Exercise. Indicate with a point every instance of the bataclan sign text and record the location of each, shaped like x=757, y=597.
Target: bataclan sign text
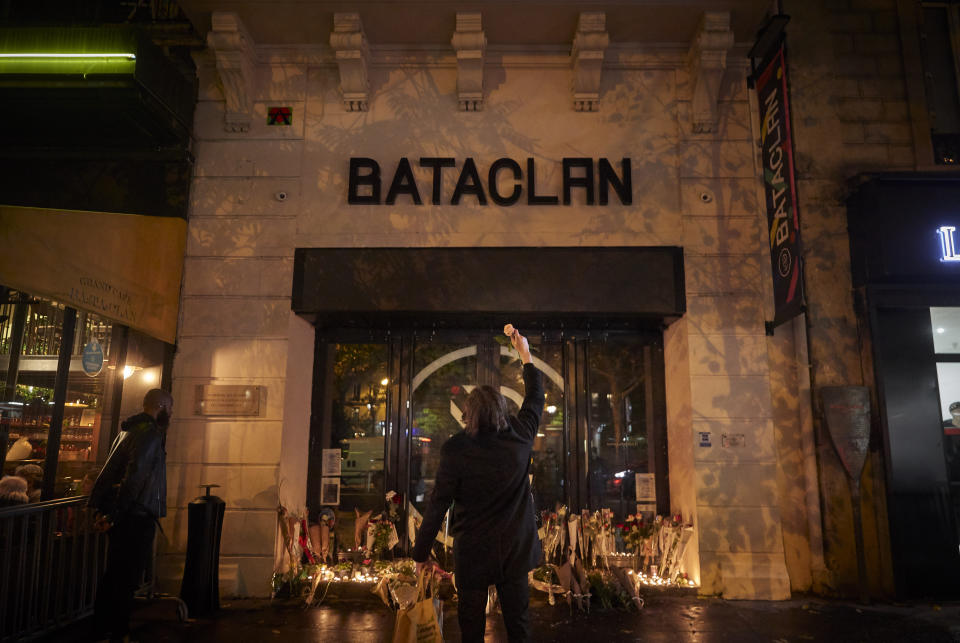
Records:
x=365, y=184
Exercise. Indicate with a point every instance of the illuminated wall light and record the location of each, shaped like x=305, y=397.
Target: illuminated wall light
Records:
x=128, y=371
x=384, y=381
x=65, y=56
x=149, y=376
x=941, y=331
x=551, y=409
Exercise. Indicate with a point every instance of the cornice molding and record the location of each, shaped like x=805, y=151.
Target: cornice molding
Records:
x=352, y=54
x=235, y=55
x=708, y=63
x=589, y=45
x=470, y=43
x=617, y=55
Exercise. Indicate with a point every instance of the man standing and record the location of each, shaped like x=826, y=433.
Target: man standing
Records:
x=130, y=495
x=483, y=471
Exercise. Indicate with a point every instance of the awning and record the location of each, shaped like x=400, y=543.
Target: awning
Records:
x=125, y=267
x=589, y=287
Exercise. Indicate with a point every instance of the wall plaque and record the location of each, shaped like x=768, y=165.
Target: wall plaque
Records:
x=229, y=399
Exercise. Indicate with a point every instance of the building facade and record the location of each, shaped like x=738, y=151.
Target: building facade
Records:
x=674, y=114
x=386, y=186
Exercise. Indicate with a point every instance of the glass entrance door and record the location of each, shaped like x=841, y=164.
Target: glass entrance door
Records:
x=446, y=371
x=389, y=403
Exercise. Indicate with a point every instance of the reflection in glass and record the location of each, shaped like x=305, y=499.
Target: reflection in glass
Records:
x=945, y=324
x=547, y=465
x=86, y=416
x=621, y=426
x=948, y=383
x=444, y=374
x=357, y=428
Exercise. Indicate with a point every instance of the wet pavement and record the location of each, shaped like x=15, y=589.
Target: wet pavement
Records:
x=673, y=618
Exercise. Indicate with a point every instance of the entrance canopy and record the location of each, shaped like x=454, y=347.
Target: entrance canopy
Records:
x=607, y=287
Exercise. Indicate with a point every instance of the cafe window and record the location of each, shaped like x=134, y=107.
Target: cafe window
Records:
x=110, y=369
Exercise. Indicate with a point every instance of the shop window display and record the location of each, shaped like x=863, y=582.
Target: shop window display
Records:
x=90, y=405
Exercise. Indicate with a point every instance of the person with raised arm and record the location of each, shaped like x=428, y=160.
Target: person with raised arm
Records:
x=483, y=472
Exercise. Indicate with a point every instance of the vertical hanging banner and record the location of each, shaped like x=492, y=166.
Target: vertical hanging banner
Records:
x=779, y=185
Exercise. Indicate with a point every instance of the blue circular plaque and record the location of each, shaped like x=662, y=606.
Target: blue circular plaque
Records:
x=92, y=358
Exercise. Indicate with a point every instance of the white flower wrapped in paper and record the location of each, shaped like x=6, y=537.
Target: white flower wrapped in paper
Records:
x=573, y=528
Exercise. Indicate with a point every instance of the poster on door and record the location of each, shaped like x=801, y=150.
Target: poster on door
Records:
x=646, y=488
x=331, y=463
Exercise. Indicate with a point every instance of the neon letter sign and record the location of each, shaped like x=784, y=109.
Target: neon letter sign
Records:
x=948, y=251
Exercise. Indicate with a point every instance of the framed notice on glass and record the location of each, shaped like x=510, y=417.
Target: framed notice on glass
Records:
x=330, y=491
x=647, y=510
x=646, y=488
x=331, y=462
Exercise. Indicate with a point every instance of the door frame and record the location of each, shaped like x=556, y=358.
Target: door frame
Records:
x=401, y=345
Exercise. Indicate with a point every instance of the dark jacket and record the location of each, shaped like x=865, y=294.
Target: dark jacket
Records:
x=486, y=477
x=134, y=479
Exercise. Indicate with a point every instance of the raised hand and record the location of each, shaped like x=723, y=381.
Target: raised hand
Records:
x=519, y=342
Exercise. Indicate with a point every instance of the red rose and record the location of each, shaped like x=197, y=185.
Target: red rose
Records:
x=455, y=390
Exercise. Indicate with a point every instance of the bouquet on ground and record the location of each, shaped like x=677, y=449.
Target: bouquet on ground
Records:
x=553, y=532
x=394, y=503
x=381, y=537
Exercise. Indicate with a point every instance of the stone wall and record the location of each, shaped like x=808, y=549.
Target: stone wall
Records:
x=850, y=115
x=236, y=328
x=718, y=350
x=236, y=323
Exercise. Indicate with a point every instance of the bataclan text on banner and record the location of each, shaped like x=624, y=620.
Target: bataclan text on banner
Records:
x=783, y=220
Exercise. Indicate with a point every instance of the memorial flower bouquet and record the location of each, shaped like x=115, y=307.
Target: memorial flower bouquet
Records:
x=382, y=531
x=552, y=533
x=394, y=502
x=637, y=535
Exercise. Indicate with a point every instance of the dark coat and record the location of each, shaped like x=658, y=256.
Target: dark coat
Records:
x=134, y=479
x=486, y=477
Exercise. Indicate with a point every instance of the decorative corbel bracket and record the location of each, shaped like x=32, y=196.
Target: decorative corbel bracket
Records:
x=707, y=62
x=470, y=43
x=234, y=52
x=353, y=55
x=589, y=45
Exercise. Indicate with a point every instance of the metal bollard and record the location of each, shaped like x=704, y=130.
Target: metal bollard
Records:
x=200, y=588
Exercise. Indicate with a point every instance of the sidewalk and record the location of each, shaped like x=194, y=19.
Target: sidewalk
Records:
x=666, y=619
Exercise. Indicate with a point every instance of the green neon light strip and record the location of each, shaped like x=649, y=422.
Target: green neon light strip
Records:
x=21, y=56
